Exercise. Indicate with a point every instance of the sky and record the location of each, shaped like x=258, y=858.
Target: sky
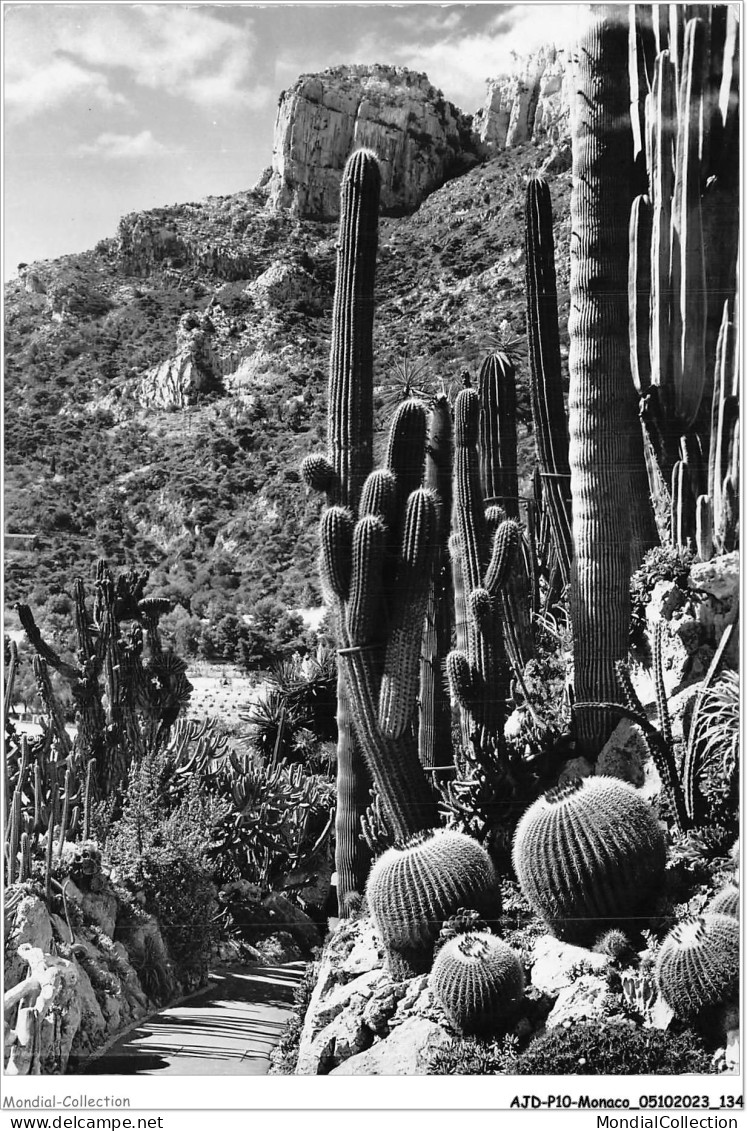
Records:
x=114, y=108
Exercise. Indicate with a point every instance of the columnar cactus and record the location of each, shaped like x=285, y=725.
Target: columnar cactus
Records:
x=478, y=980
x=413, y=888
x=342, y=473
x=683, y=246
x=601, y=400
x=546, y=387
x=378, y=571
x=478, y=676
x=496, y=387
x=589, y=854
x=698, y=964
x=434, y=732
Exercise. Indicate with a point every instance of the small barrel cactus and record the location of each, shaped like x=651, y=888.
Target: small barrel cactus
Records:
x=725, y=902
x=698, y=964
x=478, y=980
x=412, y=889
x=589, y=854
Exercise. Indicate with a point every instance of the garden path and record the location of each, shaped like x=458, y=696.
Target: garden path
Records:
x=227, y=1029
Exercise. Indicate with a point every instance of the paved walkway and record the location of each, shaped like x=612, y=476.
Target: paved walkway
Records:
x=227, y=1029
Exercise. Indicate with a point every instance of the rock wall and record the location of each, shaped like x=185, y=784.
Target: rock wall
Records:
x=530, y=104
x=419, y=137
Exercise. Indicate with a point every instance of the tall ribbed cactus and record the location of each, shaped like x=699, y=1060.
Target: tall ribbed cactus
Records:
x=478, y=676
x=434, y=732
x=601, y=400
x=496, y=387
x=379, y=570
x=683, y=244
x=347, y=464
x=548, y=408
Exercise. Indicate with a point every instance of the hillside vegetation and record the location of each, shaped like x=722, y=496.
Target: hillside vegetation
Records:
x=204, y=490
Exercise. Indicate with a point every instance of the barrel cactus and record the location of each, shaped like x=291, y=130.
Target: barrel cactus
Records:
x=726, y=902
x=478, y=980
x=413, y=888
x=589, y=854
x=698, y=964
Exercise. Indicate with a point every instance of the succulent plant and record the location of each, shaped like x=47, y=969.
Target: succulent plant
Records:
x=725, y=902
x=601, y=400
x=589, y=855
x=414, y=887
x=698, y=964
x=478, y=980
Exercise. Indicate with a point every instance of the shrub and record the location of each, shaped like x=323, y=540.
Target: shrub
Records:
x=613, y=1049
x=285, y=1055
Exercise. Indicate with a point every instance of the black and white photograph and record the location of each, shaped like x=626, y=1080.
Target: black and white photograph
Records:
x=371, y=563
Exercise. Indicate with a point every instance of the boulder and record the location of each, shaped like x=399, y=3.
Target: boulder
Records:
x=417, y=135
x=623, y=755
x=531, y=103
x=406, y=1052
x=556, y=964
x=584, y=1000
x=344, y=1037
x=31, y=927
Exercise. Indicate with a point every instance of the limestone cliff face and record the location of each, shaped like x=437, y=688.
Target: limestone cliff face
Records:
x=420, y=138
x=531, y=104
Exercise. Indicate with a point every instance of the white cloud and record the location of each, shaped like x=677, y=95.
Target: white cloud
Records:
x=34, y=86
x=58, y=53
x=125, y=147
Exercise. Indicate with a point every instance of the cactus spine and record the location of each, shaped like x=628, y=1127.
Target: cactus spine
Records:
x=414, y=887
x=698, y=964
x=478, y=676
x=548, y=409
x=601, y=399
x=478, y=981
x=434, y=732
x=344, y=471
x=496, y=388
x=588, y=855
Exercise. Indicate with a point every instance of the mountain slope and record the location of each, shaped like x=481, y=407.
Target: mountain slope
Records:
x=162, y=389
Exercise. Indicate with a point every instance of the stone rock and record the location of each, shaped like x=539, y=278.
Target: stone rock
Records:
x=99, y=907
x=623, y=755
x=418, y=137
x=584, y=1000
x=717, y=582
x=344, y=1037
x=530, y=104
x=174, y=383
x=416, y=997
x=58, y=1005
x=575, y=768
x=559, y=160
x=556, y=964
x=382, y=1005
x=361, y=987
x=288, y=284
x=367, y=953
x=31, y=927
x=281, y=912
x=406, y=1052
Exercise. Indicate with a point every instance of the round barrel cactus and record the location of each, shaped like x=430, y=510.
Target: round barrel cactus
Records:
x=589, y=855
x=725, y=902
x=412, y=889
x=478, y=980
x=698, y=964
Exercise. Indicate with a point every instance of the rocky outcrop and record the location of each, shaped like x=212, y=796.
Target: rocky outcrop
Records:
x=530, y=104
x=419, y=138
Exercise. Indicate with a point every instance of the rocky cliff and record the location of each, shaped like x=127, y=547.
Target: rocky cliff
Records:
x=530, y=104
x=419, y=137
